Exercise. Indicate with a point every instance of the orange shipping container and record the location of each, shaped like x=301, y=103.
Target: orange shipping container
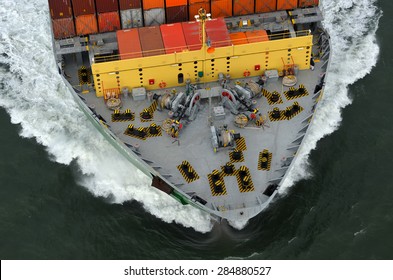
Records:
x=194, y=8
x=286, y=4
x=129, y=43
x=197, y=1
x=108, y=21
x=174, y=3
x=243, y=7
x=264, y=6
x=152, y=4
x=63, y=28
x=238, y=38
x=257, y=36
x=173, y=37
x=221, y=8
x=308, y=3
x=86, y=24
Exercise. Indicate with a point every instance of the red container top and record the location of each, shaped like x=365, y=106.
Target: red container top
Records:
x=173, y=37
x=105, y=6
x=308, y=3
x=129, y=43
x=153, y=4
x=60, y=8
x=174, y=3
x=108, y=21
x=151, y=41
x=83, y=7
x=217, y=33
x=286, y=4
x=130, y=4
x=191, y=34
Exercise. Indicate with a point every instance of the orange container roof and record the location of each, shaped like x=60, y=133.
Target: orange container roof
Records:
x=86, y=24
x=286, y=4
x=173, y=37
x=221, y=8
x=243, y=7
x=217, y=33
x=108, y=21
x=264, y=6
x=129, y=43
x=193, y=9
x=153, y=4
x=174, y=3
x=257, y=36
x=238, y=38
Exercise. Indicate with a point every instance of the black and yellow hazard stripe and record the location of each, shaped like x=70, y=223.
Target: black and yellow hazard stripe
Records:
x=228, y=169
x=293, y=113
x=241, y=144
x=293, y=93
x=217, y=184
x=264, y=160
x=154, y=130
x=233, y=158
x=286, y=114
x=188, y=172
x=149, y=111
x=84, y=75
x=143, y=133
x=117, y=116
x=244, y=180
x=268, y=96
x=280, y=118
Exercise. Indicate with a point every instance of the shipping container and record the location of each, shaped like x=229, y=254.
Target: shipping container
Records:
x=176, y=14
x=194, y=8
x=192, y=35
x=256, y=36
x=173, y=3
x=154, y=16
x=152, y=4
x=86, y=24
x=265, y=6
x=243, y=7
x=60, y=9
x=221, y=8
x=129, y=43
x=131, y=18
x=217, y=33
x=83, y=7
x=286, y=4
x=198, y=1
x=238, y=38
x=130, y=4
x=151, y=41
x=105, y=6
x=63, y=28
x=108, y=22
x=173, y=38
x=308, y=3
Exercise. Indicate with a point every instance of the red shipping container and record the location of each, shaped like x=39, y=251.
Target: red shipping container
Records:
x=197, y=1
x=238, y=38
x=83, y=7
x=221, y=8
x=152, y=4
x=264, y=6
x=257, y=36
x=108, y=22
x=129, y=43
x=63, y=28
x=308, y=3
x=191, y=31
x=176, y=14
x=105, y=6
x=286, y=4
x=173, y=38
x=173, y=3
x=217, y=33
x=130, y=4
x=86, y=24
x=60, y=8
x=151, y=41
x=194, y=8
x=243, y=7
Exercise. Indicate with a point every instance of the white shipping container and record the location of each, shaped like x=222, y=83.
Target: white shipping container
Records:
x=154, y=16
x=131, y=18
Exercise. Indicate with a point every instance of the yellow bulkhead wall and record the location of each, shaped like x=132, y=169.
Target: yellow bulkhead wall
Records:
x=151, y=72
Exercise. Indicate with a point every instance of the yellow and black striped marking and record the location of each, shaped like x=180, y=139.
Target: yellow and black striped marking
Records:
x=264, y=160
x=84, y=75
x=154, y=130
x=287, y=114
x=117, y=116
x=147, y=114
x=272, y=97
x=293, y=93
x=241, y=144
x=188, y=172
x=217, y=184
x=276, y=115
x=236, y=156
x=228, y=169
x=244, y=180
x=143, y=133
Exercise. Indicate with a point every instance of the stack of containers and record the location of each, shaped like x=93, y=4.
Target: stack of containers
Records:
x=108, y=15
x=62, y=21
x=286, y=4
x=151, y=41
x=195, y=5
x=191, y=31
x=264, y=6
x=129, y=43
x=131, y=13
x=173, y=38
x=308, y=3
x=85, y=17
x=217, y=33
x=153, y=12
x=176, y=11
x=243, y=7
x=221, y=8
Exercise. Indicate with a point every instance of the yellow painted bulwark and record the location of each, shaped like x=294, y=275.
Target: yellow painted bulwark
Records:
x=233, y=60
